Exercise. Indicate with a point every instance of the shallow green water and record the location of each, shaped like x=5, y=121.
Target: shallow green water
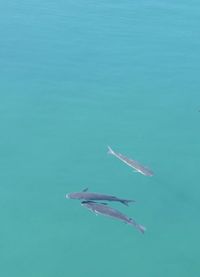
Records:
x=74, y=78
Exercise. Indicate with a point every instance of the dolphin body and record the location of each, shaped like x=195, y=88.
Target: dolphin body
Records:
x=132, y=163
x=103, y=209
x=89, y=196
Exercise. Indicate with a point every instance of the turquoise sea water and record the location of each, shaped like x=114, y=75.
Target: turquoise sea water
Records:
x=77, y=76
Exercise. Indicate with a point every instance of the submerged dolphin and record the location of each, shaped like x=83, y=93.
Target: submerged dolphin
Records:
x=84, y=195
x=132, y=163
x=103, y=209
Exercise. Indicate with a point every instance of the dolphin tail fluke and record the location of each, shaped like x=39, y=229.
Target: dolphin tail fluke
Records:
x=141, y=228
x=110, y=151
x=126, y=202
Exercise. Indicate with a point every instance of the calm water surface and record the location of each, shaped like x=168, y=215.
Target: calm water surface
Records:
x=77, y=76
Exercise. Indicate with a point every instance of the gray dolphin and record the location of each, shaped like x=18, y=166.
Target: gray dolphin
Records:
x=132, y=163
x=85, y=195
x=103, y=209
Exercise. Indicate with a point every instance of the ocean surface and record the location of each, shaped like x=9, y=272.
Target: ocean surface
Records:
x=75, y=77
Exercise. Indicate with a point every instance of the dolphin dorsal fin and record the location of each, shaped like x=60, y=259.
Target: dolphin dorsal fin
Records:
x=84, y=190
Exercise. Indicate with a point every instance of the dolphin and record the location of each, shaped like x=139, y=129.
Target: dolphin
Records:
x=85, y=195
x=103, y=209
x=132, y=163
